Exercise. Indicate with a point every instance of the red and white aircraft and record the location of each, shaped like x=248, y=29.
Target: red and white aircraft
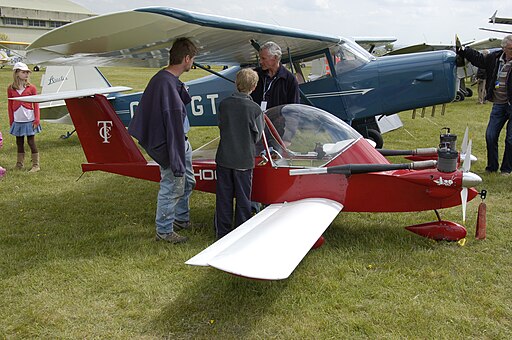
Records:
x=311, y=165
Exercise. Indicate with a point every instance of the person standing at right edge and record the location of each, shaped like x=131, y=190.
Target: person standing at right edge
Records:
x=499, y=91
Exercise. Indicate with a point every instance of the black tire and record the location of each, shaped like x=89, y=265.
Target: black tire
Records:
x=459, y=97
x=469, y=92
x=376, y=136
x=36, y=68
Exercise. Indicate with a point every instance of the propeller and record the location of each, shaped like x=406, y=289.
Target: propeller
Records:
x=464, y=148
x=465, y=169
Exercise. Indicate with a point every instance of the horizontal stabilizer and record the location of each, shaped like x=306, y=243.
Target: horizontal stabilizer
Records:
x=271, y=244
x=48, y=97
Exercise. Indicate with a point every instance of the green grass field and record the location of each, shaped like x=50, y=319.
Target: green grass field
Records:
x=78, y=258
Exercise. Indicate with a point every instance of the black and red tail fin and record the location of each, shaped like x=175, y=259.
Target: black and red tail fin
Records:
x=106, y=142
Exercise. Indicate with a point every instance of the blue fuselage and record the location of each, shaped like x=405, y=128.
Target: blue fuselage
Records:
x=383, y=86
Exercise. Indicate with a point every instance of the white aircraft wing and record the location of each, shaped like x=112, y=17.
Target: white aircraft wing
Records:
x=48, y=97
x=142, y=37
x=370, y=43
x=425, y=47
x=496, y=20
x=270, y=245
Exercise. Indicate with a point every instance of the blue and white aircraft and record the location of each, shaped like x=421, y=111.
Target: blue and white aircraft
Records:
x=343, y=78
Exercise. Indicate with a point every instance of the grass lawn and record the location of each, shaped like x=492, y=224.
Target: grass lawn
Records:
x=78, y=258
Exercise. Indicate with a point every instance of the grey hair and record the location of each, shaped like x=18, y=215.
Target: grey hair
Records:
x=272, y=48
x=506, y=41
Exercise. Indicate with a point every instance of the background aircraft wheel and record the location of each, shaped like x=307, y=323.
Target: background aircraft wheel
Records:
x=469, y=92
x=376, y=136
x=36, y=68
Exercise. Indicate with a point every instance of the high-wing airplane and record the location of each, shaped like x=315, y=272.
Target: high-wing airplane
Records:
x=4, y=58
x=12, y=52
x=354, y=86
x=497, y=20
x=310, y=166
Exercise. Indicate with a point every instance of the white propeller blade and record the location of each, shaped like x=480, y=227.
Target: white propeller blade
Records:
x=464, y=146
x=464, y=192
x=467, y=160
x=464, y=199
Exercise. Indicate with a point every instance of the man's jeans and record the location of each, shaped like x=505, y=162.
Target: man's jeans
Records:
x=500, y=114
x=173, y=196
x=183, y=206
x=171, y=189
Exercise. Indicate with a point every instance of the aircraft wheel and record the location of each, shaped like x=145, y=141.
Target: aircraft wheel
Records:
x=469, y=92
x=36, y=68
x=376, y=136
x=459, y=97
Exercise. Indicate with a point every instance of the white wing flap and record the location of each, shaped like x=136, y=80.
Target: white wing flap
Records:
x=271, y=244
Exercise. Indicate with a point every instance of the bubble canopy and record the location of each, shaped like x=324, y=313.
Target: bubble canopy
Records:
x=299, y=135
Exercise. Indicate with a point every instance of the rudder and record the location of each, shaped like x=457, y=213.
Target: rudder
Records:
x=102, y=134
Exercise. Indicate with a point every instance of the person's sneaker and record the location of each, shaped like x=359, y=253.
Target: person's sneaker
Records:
x=182, y=225
x=505, y=173
x=171, y=237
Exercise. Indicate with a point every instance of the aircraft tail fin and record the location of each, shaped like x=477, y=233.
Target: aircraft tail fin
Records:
x=58, y=79
x=105, y=141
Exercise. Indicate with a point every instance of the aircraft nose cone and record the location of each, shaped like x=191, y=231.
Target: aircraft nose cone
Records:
x=470, y=179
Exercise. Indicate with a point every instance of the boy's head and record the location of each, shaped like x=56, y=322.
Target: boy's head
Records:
x=246, y=80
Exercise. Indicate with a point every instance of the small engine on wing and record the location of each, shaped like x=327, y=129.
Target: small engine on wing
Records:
x=447, y=153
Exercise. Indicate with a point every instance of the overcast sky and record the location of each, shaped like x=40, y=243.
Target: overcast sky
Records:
x=411, y=21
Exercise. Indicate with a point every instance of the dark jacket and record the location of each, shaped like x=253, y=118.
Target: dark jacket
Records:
x=481, y=74
x=490, y=63
x=158, y=121
x=284, y=89
x=241, y=126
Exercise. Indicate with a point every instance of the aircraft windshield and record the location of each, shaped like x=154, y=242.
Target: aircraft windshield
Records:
x=349, y=56
x=297, y=135
x=303, y=135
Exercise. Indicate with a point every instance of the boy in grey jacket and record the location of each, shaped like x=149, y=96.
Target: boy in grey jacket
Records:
x=241, y=127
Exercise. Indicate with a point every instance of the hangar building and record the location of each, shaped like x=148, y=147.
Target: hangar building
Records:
x=26, y=20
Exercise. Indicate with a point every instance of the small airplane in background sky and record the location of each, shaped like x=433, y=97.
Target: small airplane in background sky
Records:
x=354, y=85
x=372, y=43
x=496, y=20
x=310, y=166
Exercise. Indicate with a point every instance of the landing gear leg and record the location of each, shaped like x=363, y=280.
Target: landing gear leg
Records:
x=67, y=135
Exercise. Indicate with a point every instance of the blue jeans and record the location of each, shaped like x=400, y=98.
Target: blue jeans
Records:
x=173, y=196
x=500, y=114
x=183, y=206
